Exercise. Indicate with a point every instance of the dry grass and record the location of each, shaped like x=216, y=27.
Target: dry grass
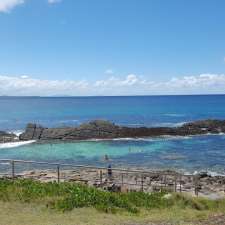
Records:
x=15, y=213
x=27, y=214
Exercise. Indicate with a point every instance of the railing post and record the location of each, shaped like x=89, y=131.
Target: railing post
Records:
x=13, y=169
x=58, y=173
x=196, y=184
x=180, y=183
x=175, y=184
x=161, y=183
x=142, y=183
x=101, y=177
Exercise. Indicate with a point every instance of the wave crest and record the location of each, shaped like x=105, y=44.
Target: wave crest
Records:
x=15, y=144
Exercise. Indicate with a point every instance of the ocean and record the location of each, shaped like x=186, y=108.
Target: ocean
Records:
x=188, y=154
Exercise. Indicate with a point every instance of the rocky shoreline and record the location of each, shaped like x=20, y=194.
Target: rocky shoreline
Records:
x=212, y=187
x=101, y=129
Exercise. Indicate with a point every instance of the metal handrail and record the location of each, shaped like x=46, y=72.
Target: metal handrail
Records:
x=90, y=167
x=142, y=174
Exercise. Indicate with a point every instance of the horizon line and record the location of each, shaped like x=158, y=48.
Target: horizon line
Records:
x=94, y=96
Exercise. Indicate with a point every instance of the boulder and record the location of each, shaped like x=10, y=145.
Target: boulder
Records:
x=32, y=132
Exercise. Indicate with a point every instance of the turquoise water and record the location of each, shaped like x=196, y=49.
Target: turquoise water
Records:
x=187, y=154
x=192, y=153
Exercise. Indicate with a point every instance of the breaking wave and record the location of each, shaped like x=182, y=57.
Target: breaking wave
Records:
x=15, y=144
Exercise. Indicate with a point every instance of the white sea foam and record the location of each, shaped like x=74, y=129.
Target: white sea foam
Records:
x=168, y=124
x=176, y=137
x=17, y=132
x=209, y=173
x=162, y=137
x=15, y=144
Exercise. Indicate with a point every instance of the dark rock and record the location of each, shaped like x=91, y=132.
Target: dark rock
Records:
x=7, y=137
x=203, y=175
x=100, y=129
x=33, y=132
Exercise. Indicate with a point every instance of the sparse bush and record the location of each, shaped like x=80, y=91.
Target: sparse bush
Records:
x=67, y=196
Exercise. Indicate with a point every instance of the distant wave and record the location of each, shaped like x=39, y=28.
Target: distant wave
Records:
x=169, y=124
x=157, y=138
x=3, y=121
x=174, y=115
x=15, y=144
x=69, y=121
x=176, y=137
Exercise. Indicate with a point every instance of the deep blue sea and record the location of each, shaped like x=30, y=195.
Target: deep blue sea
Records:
x=181, y=153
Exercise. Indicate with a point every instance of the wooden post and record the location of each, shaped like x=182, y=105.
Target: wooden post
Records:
x=142, y=183
x=161, y=185
x=101, y=177
x=58, y=174
x=180, y=183
x=196, y=184
x=175, y=183
x=122, y=179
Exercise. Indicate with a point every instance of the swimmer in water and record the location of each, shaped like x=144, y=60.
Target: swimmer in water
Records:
x=106, y=158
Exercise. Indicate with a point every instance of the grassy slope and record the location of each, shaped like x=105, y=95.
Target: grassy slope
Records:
x=24, y=202
x=26, y=214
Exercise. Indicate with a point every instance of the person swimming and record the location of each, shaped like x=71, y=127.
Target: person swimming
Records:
x=106, y=157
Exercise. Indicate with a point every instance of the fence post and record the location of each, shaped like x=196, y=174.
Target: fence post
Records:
x=13, y=169
x=101, y=177
x=196, y=184
x=175, y=184
x=180, y=183
x=122, y=179
x=142, y=183
x=58, y=174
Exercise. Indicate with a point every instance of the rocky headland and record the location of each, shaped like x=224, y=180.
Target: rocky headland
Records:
x=101, y=129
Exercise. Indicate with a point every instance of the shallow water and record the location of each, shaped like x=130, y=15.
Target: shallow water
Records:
x=187, y=154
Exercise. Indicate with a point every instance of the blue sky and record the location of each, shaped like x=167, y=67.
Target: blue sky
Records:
x=112, y=47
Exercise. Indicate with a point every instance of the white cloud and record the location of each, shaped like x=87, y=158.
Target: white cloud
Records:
x=7, y=5
x=109, y=71
x=24, y=77
x=129, y=85
x=54, y=1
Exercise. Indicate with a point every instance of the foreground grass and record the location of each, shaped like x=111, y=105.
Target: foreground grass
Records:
x=17, y=213
x=31, y=202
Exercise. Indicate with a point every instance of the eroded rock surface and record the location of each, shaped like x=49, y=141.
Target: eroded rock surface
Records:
x=101, y=129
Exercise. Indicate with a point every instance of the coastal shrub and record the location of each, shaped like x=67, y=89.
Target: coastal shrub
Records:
x=67, y=196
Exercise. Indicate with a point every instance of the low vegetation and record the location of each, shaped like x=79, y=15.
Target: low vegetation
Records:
x=65, y=197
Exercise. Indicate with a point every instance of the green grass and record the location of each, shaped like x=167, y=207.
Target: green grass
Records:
x=67, y=199
x=66, y=196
